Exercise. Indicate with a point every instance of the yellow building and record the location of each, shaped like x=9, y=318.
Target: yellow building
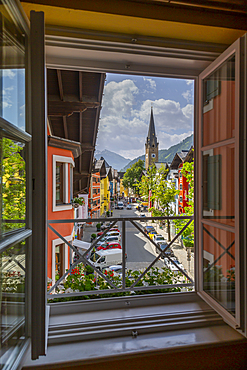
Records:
x=104, y=195
x=123, y=190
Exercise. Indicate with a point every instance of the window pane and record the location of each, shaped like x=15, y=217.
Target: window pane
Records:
x=12, y=74
x=219, y=266
x=59, y=183
x=13, y=185
x=218, y=184
x=219, y=104
x=12, y=299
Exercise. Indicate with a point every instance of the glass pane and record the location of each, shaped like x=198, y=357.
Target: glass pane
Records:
x=12, y=74
x=59, y=177
x=219, y=104
x=12, y=299
x=218, y=185
x=13, y=185
x=219, y=266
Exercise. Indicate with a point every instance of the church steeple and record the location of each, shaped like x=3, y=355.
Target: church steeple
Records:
x=152, y=144
x=151, y=138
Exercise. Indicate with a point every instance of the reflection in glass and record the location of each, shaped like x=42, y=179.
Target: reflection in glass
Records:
x=219, y=266
x=59, y=183
x=13, y=185
x=219, y=104
x=12, y=300
x=12, y=74
x=218, y=184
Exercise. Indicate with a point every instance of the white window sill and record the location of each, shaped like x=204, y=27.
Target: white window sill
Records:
x=79, y=333
x=62, y=207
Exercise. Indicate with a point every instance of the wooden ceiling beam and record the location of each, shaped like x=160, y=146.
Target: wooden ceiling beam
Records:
x=80, y=140
x=63, y=108
x=80, y=86
x=60, y=83
x=65, y=127
x=78, y=175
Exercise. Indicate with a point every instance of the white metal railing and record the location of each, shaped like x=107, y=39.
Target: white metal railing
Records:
x=114, y=288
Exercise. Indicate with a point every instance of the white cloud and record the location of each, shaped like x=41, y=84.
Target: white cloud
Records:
x=152, y=83
x=119, y=97
x=5, y=104
x=189, y=82
x=168, y=115
x=187, y=95
x=8, y=73
x=22, y=109
x=188, y=111
x=167, y=140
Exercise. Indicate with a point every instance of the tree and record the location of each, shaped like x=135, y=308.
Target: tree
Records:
x=132, y=176
x=147, y=182
x=163, y=194
x=13, y=177
x=188, y=233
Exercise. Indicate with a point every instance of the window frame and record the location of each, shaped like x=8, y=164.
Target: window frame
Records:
x=116, y=67
x=20, y=22
x=64, y=161
x=231, y=50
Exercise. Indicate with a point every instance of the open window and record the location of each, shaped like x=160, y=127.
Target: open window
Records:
x=218, y=184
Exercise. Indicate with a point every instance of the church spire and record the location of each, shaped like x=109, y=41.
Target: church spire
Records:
x=151, y=138
x=152, y=145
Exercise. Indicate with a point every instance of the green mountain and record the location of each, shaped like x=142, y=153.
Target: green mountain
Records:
x=113, y=159
x=167, y=155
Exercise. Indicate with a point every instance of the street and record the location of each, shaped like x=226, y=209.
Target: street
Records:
x=140, y=252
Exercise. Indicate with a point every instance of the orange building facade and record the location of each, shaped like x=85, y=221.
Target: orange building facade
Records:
x=94, y=195
x=60, y=163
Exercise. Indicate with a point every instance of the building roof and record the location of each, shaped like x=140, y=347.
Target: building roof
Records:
x=158, y=165
x=190, y=155
x=151, y=138
x=178, y=159
x=99, y=166
x=74, y=102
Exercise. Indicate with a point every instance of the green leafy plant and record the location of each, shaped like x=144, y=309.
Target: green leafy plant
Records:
x=80, y=201
x=83, y=279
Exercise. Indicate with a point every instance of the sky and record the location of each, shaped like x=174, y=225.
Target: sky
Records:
x=126, y=107
x=12, y=99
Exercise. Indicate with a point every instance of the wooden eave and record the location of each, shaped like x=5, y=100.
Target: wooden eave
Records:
x=58, y=142
x=74, y=102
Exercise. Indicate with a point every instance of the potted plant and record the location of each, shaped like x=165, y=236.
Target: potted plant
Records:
x=98, y=226
x=76, y=202
x=108, y=213
x=93, y=236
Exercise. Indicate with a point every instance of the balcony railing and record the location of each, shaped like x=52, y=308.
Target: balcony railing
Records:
x=136, y=284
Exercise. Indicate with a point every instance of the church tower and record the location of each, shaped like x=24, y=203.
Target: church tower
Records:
x=151, y=145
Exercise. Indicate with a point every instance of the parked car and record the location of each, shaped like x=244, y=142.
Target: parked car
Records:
x=147, y=229
x=116, y=269
x=111, y=245
x=109, y=239
x=105, y=226
x=152, y=233
x=171, y=265
x=168, y=252
x=158, y=238
x=128, y=206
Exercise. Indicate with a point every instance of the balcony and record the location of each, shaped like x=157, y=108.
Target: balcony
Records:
x=136, y=276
